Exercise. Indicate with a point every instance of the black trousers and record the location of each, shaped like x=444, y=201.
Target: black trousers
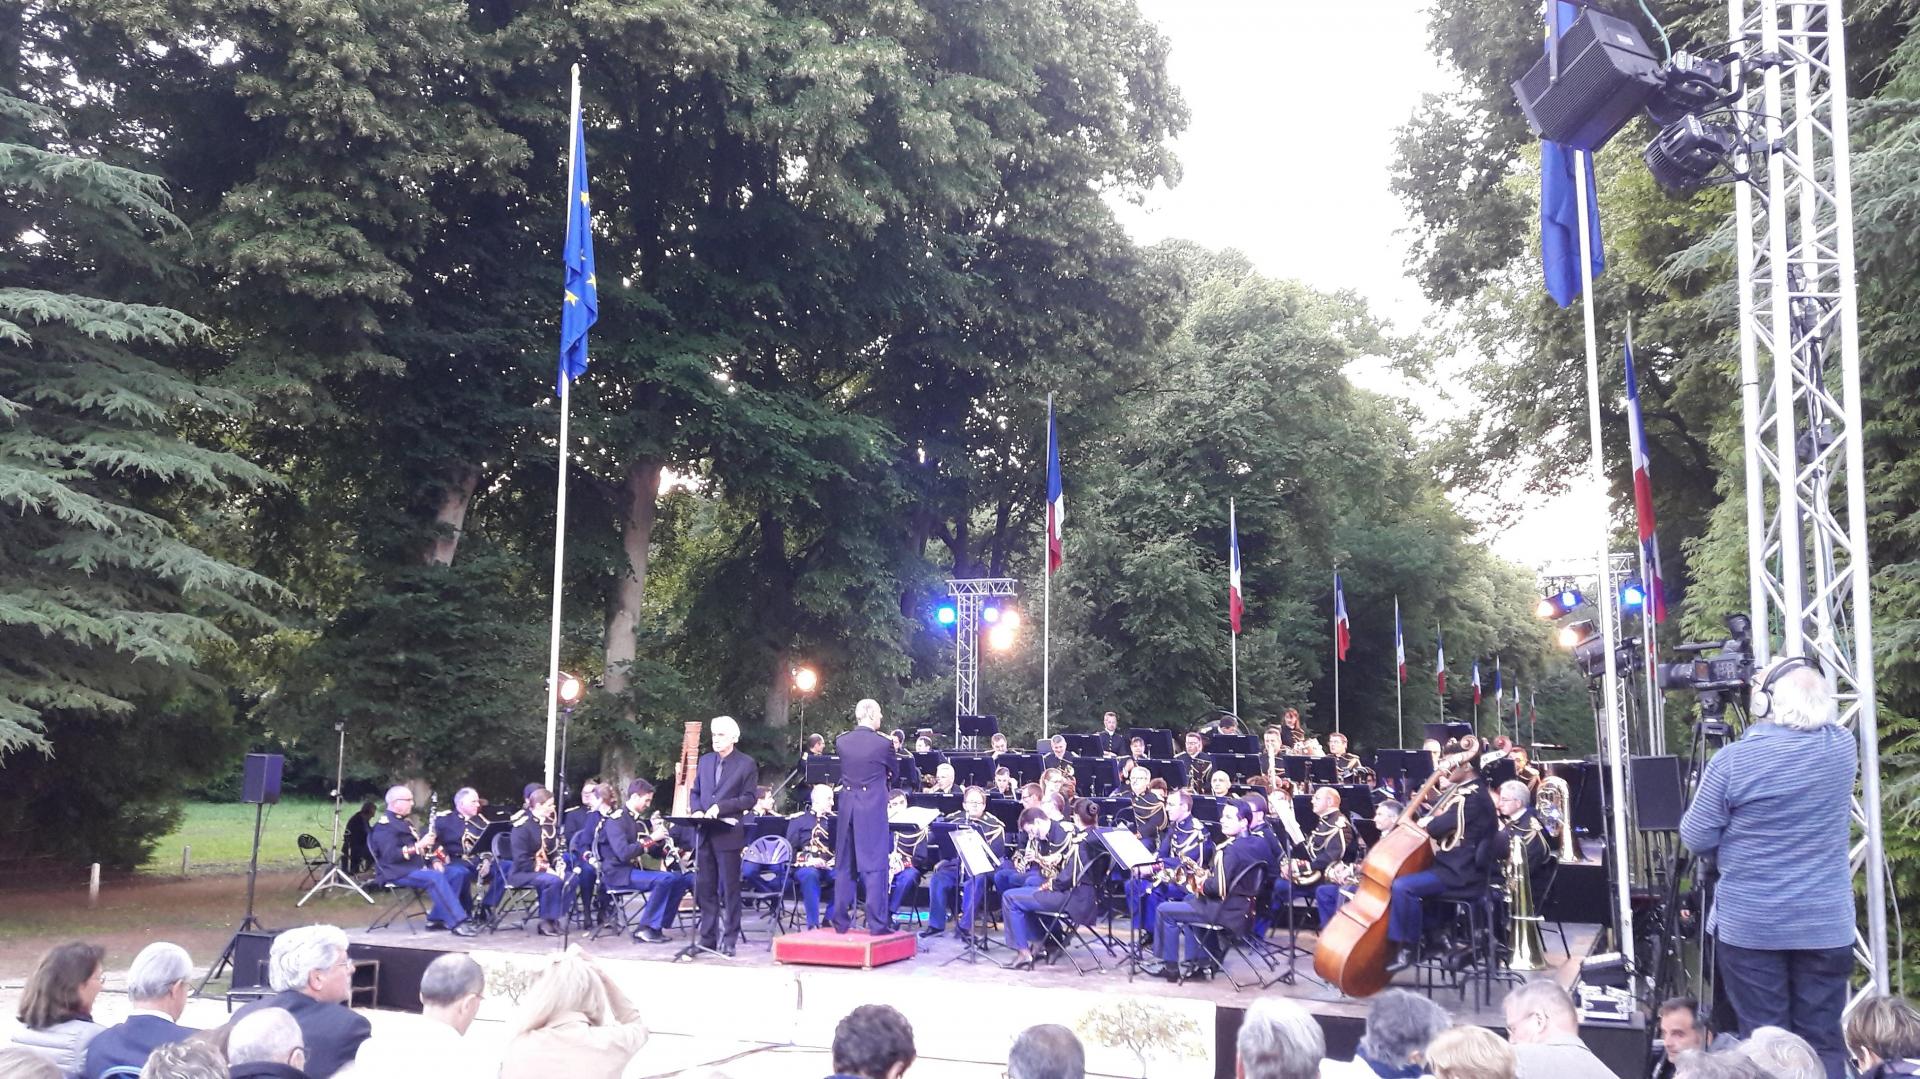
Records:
x=1803, y=991
x=716, y=888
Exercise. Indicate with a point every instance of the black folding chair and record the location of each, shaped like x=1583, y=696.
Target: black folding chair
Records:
x=1220, y=941
x=314, y=857
x=514, y=900
x=404, y=903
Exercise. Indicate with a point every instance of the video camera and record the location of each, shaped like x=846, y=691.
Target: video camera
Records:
x=1715, y=679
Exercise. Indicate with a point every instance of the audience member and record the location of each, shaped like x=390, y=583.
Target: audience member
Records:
x=157, y=988
x=312, y=978
x=1883, y=1037
x=266, y=1044
x=1779, y=796
x=872, y=1042
x=1047, y=1051
x=450, y=994
x=1783, y=1054
x=190, y=1058
x=1400, y=1024
x=1695, y=1064
x=1545, y=1032
x=19, y=1062
x=1470, y=1053
x=575, y=1022
x=1278, y=1040
x=56, y=1008
x=1684, y=1030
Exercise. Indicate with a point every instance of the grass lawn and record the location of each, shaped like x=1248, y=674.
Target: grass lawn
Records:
x=221, y=835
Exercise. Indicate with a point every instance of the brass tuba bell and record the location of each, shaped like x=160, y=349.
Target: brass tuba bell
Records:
x=1554, y=806
x=1525, y=950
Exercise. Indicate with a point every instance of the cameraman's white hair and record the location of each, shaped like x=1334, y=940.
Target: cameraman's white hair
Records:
x=269, y=1035
x=867, y=712
x=1801, y=699
x=156, y=970
x=297, y=953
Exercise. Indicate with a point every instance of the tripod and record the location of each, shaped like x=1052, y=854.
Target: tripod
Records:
x=336, y=875
x=248, y=924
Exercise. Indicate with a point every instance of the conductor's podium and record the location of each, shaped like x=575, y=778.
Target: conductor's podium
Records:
x=856, y=948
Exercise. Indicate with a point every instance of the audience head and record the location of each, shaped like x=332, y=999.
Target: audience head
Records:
x=1698, y=1064
x=1782, y=1054
x=189, y=1059
x=571, y=983
x=1400, y=1024
x=1279, y=1040
x=1048, y=1051
x=867, y=713
x=267, y=1036
x=1798, y=697
x=1882, y=1028
x=453, y=987
x=1470, y=1053
x=1682, y=1029
x=1539, y=1010
x=20, y=1063
x=312, y=959
x=158, y=978
x=874, y=1041
x=63, y=986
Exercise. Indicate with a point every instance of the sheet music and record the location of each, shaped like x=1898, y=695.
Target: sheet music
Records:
x=973, y=850
x=1291, y=823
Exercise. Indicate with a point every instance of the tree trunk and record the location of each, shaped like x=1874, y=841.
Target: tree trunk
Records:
x=640, y=495
x=451, y=515
x=780, y=690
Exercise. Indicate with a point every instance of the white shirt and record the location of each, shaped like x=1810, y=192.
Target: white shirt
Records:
x=414, y=1045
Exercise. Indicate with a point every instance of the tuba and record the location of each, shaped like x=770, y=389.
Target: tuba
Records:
x=1525, y=949
x=1552, y=803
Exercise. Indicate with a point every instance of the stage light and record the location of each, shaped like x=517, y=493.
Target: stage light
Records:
x=804, y=679
x=1010, y=618
x=1560, y=603
x=945, y=614
x=570, y=688
x=1687, y=153
x=1632, y=596
x=1000, y=637
x=1574, y=634
x=989, y=614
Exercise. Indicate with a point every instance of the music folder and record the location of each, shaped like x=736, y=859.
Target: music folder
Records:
x=972, y=849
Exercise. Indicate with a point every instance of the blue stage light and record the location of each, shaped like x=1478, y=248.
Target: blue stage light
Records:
x=1632, y=596
x=989, y=614
x=945, y=614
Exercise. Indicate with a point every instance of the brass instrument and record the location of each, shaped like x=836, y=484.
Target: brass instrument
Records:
x=683, y=772
x=670, y=854
x=1552, y=804
x=1340, y=874
x=818, y=852
x=1184, y=872
x=1525, y=949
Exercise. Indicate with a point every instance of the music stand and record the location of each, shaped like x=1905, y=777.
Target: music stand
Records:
x=1095, y=775
x=968, y=730
x=1295, y=768
x=972, y=772
x=1159, y=740
x=1024, y=767
x=822, y=769
x=1172, y=772
x=1321, y=770
x=969, y=850
x=1082, y=745
x=1126, y=849
x=1006, y=810
x=1232, y=743
x=702, y=827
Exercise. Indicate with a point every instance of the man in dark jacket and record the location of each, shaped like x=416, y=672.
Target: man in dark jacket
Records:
x=861, y=841
x=266, y=1044
x=723, y=789
x=157, y=987
x=1462, y=826
x=313, y=978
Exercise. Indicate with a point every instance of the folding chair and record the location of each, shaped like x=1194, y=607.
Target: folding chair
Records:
x=776, y=852
x=314, y=857
x=523, y=901
x=1220, y=941
x=404, y=903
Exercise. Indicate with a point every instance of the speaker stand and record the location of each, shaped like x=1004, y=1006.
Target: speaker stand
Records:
x=248, y=924
x=336, y=875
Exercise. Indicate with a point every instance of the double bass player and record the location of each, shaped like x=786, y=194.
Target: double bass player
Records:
x=1462, y=825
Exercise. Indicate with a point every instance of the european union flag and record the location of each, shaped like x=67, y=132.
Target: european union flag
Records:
x=582, y=298
x=1559, y=216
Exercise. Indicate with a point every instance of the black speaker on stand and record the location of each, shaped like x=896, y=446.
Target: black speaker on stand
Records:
x=259, y=787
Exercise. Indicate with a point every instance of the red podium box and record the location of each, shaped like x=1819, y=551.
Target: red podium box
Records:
x=855, y=948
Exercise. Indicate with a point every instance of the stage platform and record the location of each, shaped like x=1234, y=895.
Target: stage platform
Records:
x=962, y=1010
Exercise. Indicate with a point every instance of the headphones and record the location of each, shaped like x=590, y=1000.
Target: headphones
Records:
x=1760, y=705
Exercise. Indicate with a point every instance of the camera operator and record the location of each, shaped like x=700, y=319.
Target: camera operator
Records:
x=1773, y=808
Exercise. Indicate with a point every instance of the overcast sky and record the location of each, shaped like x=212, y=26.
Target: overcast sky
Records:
x=1289, y=155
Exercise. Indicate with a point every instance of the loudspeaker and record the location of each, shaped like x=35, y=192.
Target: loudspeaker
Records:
x=251, y=952
x=1659, y=793
x=262, y=780
x=1607, y=74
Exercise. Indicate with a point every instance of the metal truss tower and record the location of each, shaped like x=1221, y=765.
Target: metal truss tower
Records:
x=969, y=595
x=1800, y=386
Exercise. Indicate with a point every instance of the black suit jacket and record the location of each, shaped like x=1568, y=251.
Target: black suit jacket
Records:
x=1112, y=745
x=728, y=785
x=1463, y=832
x=333, y=1032
x=130, y=1043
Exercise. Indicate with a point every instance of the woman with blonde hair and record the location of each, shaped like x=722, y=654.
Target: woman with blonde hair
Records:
x=56, y=1010
x=575, y=1022
x=1470, y=1053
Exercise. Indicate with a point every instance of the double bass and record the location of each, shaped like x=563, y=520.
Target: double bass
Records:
x=1353, y=948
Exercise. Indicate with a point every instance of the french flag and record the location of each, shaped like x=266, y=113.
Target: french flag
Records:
x=1056, y=497
x=1235, y=604
x=1643, y=491
x=1476, y=682
x=1440, y=661
x=1399, y=642
x=1342, y=632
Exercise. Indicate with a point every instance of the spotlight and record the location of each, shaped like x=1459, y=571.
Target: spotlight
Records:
x=945, y=614
x=1010, y=618
x=1575, y=634
x=569, y=688
x=989, y=614
x=1691, y=84
x=1686, y=153
x=805, y=680
x=1558, y=604
x=1000, y=637
x=1632, y=596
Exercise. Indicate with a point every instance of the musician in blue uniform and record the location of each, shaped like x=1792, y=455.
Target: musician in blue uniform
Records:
x=811, y=836
x=1038, y=839
x=1182, y=841
x=1110, y=742
x=1070, y=887
x=401, y=856
x=625, y=838
x=1199, y=763
x=946, y=875
x=861, y=841
x=909, y=851
x=579, y=828
x=537, y=860
x=1314, y=866
x=1225, y=898
x=1462, y=826
x=458, y=832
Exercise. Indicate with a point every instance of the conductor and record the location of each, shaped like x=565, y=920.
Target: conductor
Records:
x=861, y=841
x=723, y=788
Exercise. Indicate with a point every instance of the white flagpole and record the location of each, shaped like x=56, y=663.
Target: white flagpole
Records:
x=1046, y=586
x=560, y=490
x=1399, y=683
x=1233, y=638
x=1612, y=755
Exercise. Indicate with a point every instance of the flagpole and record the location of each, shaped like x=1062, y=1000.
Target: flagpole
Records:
x=1046, y=589
x=1399, y=673
x=560, y=488
x=1336, y=677
x=1611, y=754
x=1233, y=654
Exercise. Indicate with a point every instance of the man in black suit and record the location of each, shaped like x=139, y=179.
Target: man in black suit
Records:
x=723, y=788
x=313, y=978
x=157, y=987
x=1462, y=824
x=861, y=842
x=1110, y=741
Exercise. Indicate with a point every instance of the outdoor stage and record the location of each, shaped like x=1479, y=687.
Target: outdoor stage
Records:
x=960, y=1011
